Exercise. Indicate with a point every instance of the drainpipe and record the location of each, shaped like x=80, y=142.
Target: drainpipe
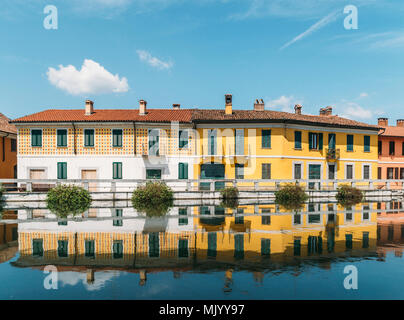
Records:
x=74, y=138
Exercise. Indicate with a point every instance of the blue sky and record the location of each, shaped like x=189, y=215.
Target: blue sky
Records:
x=192, y=52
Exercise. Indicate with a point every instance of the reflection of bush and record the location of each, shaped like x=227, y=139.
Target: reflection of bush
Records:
x=291, y=196
x=348, y=196
x=154, y=199
x=64, y=200
x=229, y=197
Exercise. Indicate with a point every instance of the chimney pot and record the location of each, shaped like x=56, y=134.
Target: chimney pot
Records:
x=298, y=109
x=400, y=122
x=259, y=105
x=89, y=109
x=228, y=104
x=142, y=107
x=176, y=106
x=383, y=122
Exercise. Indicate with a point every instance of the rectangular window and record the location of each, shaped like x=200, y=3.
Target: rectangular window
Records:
x=239, y=142
x=118, y=222
x=61, y=137
x=349, y=142
x=348, y=241
x=379, y=147
x=366, y=143
x=365, y=239
x=402, y=149
x=266, y=219
x=183, y=139
x=154, y=244
x=117, y=138
x=331, y=171
x=89, y=249
x=89, y=137
x=297, y=171
x=265, y=247
x=266, y=139
x=212, y=244
x=314, y=245
x=239, y=171
x=297, y=219
x=402, y=173
x=315, y=141
x=366, y=172
x=349, y=171
x=298, y=140
x=62, y=170
x=63, y=246
x=183, y=221
x=182, y=170
x=390, y=173
x=183, y=248
x=266, y=171
x=379, y=173
x=37, y=247
x=239, y=246
x=296, y=247
x=154, y=144
x=153, y=174
x=36, y=138
x=13, y=145
x=331, y=141
x=392, y=146
x=117, y=249
x=212, y=142
x=314, y=218
x=117, y=170
x=396, y=173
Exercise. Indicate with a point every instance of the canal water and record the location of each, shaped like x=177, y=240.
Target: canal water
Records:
x=256, y=251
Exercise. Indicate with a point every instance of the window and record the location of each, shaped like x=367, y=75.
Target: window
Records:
x=239, y=142
x=239, y=171
x=266, y=219
x=314, y=245
x=89, y=137
x=296, y=247
x=61, y=137
x=365, y=239
x=154, y=244
x=390, y=173
x=402, y=149
x=89, y=249
x=392, y=148
x=117, y=138
x=266, y=171
x=349, y=142
x=349, y=171
x=118, y=222
x=62, y=223
x=366, y=143
x=266, y=139
x=63, y=246
x=182, y=221
x=297, y=171
x=379, y=173
x=183, y=139
x=239, y=246
x=366, y=172
x=348, y=241
x=314, y=218
x=402, y=173
x=265, y=247
x=153, y=174
x=117, y=249
x=297, y=219
x=331, y=141
x=298, y=140
x=62, y=170
x=154, y=142
x=212, y=142
x=117, y=170
x=36, y=138
x=379, y=147
x=13, y=145
x=212, y=244
x=37, y=247
x=331, y=171
x=182, y=170
x=183, y=248
x=315, y=141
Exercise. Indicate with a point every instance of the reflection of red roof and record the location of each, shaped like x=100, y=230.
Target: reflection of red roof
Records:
x=110, y=115
x=5, y=126
x=393, y=132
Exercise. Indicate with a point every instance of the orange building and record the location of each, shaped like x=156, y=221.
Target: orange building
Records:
x=8, y=149
x=391, y=150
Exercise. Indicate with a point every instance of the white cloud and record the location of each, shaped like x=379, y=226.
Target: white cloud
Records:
x=71, y=278
x=355, y=111
x=91, y=79
x=363, y=95
x=153, y=61
x=284, y=103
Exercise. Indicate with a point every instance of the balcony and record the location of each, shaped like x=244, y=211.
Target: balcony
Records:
x=332, y=154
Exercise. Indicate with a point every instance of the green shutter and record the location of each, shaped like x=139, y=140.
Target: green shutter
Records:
x=61, y=137
x=182, y=221
x=320, y=141
x=117, y=138
x=36, y=138
x=117, y=170
x=298, y=139
x=183, y=248
x=310, y=140
x=62, y=170
x=366, y=143
x=266, y=139
x=89, y=137
x=349, y=139
x=265, y=247
x=182, y=170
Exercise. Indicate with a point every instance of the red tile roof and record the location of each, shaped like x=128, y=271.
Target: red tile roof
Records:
x=108, y=115
x=392, y=132
x=5, y=126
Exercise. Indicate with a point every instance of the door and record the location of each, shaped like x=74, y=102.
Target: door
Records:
x=92, y=187
x=212, y=171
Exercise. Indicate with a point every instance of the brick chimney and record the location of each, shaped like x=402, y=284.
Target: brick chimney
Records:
x=298, y=109
x=89, y=108
x=400, y=122
x=383, y=122
x=176, y=106
x=229, y=104
x=326, y=111
x=259, y=105
x=142, y=107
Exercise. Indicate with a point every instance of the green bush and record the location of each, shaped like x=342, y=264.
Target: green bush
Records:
x=64, y=200
x=229, y=196
x=348, y=196
x=291, y=196
x=155, y=198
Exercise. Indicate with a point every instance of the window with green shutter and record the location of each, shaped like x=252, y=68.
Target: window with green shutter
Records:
x=331, y=141
x=89, y=249
x=118, y=222
x=117, y=249
x=239, y=246
x=182, y=170
x=212, y=244
x=266, y=171
x=63, y=246
x=212, y=142
x=117, y=138
x=62, y=170
x=183, y=248
x=37, y=247
x=36, y=138
x=298, y=139
x=265, y=247
x=183, y=139
x=296, y=247
x=154, y=244
x=62, y=137
x=183, y=221
x=89, y=137
x=348, y=241
x=266, y=139
x=366, y=143
x=315, y=141
x=117, y=170
x=239, y=142
x=349, y=142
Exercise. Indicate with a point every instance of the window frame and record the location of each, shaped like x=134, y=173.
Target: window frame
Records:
x=62, y=175
x=266, y=144
x=366, y=146
x=298, y=141
x=57, y=137
x=183, y=173
x=32, y=142
x=350, y=147
x=13, y=145
x=182, y=146
x=114, y=145
x=117, y=174
x=85, y=140
x=268, y=164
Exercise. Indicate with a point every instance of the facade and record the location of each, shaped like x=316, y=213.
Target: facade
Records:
x=391, y=150
x=194, y=144
x=8, y=149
